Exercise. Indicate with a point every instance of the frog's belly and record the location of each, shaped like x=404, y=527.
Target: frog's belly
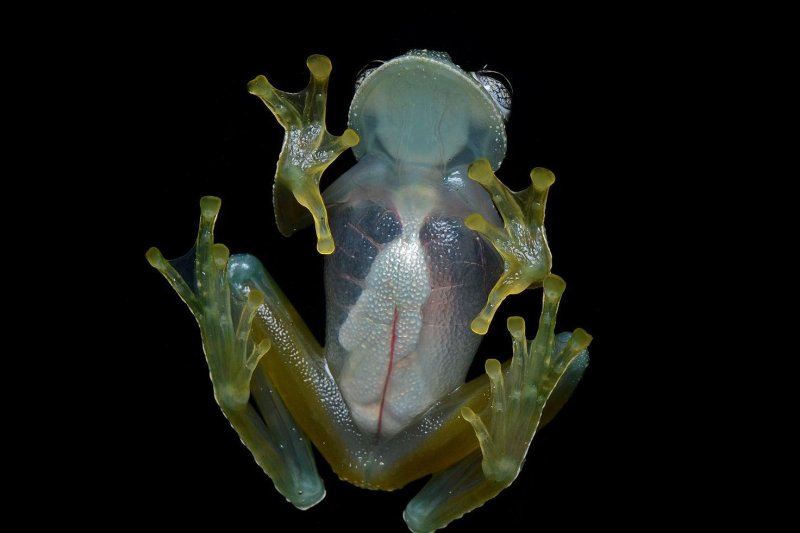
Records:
x=402, y=293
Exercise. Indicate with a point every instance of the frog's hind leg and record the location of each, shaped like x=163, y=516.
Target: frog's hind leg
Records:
x=519, y=393
x=225, y=310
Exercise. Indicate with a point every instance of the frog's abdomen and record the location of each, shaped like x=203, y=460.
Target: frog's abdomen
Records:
x=402, y=290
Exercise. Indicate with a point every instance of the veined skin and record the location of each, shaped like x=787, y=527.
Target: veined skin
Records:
x=422, y=245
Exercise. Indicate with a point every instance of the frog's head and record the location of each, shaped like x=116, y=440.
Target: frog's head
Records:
x=421, y=108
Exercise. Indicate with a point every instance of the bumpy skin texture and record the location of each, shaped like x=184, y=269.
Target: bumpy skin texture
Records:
x=402, y=287
x=421, y=261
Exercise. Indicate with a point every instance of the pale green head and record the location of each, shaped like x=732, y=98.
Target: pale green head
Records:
x=421, y=108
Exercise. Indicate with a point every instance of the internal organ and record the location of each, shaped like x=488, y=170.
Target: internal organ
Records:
x=405, y=287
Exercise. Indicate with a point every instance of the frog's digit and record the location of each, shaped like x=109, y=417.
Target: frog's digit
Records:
x=308, y=149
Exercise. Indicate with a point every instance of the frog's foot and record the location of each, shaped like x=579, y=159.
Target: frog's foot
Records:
x=307, y=150
x=519, y=396
x=521, y=242
x=233, y=354
x=519, y=390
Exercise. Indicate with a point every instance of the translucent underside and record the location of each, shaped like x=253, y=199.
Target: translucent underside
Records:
x=408, y=276
x=406, y=279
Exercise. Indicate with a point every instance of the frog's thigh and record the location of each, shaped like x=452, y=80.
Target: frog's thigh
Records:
x=294, y=368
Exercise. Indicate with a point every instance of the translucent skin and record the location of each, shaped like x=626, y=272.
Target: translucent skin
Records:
x=402, y=294
x=403, y=285
x=418, y=261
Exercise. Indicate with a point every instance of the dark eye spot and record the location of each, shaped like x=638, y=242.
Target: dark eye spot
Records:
x=498, y=87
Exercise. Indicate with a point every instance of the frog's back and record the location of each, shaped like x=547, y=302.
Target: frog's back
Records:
x=407, y=276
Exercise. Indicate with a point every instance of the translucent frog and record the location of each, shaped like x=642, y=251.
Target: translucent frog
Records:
x=422, y=244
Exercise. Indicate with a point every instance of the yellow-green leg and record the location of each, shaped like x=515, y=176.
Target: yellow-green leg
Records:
x=225, y=318
x=519, y=393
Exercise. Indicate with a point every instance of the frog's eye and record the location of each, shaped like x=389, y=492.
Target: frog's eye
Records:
x=498, y=87
x=368, y=69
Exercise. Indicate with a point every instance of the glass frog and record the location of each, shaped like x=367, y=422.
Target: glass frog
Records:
x=422, y=244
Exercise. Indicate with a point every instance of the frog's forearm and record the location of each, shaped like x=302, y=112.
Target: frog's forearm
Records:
x=308, y=149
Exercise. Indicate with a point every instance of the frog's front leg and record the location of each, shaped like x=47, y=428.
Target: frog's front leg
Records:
x=521, y=242
x=225, y=310
x=307, y=150
x=519, y=393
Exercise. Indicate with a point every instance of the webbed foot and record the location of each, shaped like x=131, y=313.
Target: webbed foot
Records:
x=521, y=242
x=231, y=354
x=519, y=396
x=308, y=149
x=519, y=390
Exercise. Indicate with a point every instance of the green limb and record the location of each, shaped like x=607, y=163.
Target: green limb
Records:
x=519, y=393
x=521, y=242
x=519, y=396
x=233, y=355
x=308, y=149
x=449, y=495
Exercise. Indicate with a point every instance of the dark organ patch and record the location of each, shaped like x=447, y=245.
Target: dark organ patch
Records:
x=376, y=223
x=462, y=270
x=359, y=233
x=458, y=258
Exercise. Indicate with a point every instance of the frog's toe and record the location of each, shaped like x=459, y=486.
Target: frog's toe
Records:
x=283, y=105
x=309, y=196
x=320, y=66
x=175, y=279
x=509, y=283
x=201, y=262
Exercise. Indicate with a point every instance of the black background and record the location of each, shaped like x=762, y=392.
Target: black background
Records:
x=584, y=106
